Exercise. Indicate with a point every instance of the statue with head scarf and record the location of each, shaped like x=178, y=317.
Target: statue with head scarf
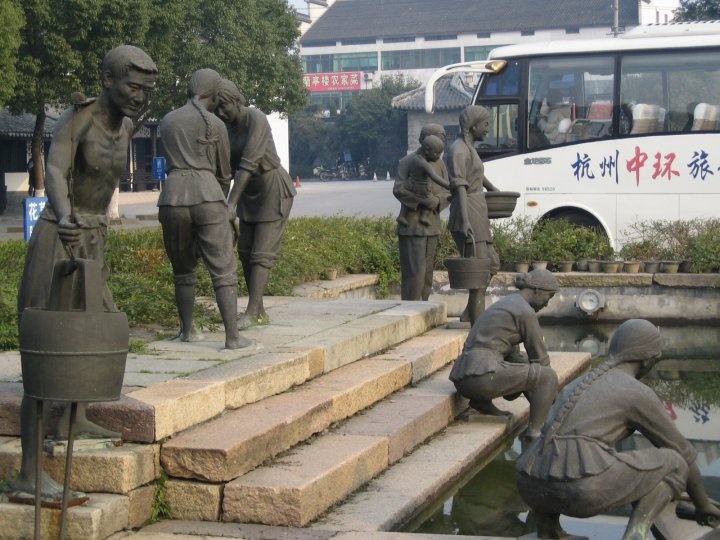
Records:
x=574, y=467
x=491, y=364
x=468, y=222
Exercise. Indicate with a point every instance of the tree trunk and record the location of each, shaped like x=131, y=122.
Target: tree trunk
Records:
x=37, y=150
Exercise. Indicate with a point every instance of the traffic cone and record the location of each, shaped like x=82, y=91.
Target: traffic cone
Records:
x=297, y=181
x=387, y=175
x=374, y=177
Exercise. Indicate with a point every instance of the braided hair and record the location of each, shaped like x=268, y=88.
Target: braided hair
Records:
x=204, y=83
x=635, y=340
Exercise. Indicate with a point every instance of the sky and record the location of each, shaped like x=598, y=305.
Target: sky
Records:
x=299, y=5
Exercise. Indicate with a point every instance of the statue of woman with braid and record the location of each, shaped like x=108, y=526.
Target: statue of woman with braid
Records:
x=575, y=468
x=192, y=207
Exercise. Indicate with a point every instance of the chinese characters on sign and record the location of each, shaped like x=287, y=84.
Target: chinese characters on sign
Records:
x=644, y=166
x=333, y=82
x=33, y=208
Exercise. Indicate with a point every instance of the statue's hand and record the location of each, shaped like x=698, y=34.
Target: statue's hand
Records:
x=467, y=230
x=431, y=203
x=69, y=230
x=232, y=213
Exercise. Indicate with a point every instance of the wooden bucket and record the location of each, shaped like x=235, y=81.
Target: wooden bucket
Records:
x=468, y=272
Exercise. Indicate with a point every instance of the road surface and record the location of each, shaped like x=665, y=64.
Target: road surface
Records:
x=345, y=198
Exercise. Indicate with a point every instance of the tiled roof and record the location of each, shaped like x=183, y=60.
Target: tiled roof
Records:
x=348, y=19
x=450, y=94
x=22, y=126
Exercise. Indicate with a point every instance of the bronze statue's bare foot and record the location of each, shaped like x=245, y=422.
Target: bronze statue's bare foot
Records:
x=247, y=320
x=193, y=335
x=486, y=406
x=549, y=527
x=237, y=343
x=23, y=487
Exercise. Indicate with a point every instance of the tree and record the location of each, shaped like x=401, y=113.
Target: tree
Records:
x=11, y=21
x=251, y=42
x=698, y=10
x=63, y=42
x=370, y=127
x=313, y=141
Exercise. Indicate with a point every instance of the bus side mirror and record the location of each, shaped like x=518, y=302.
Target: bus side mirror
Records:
x=485, y=66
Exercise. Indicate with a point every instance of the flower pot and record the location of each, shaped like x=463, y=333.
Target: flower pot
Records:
x=329, y=274
x=501, y=204
x=582, y=265
x=565, y=266
x=593, y=266
x=685, y=267
x=631, y=267
x=609, y=267
x=522, y=266
x=669, y=267
x=651, y=267
x=539, y=265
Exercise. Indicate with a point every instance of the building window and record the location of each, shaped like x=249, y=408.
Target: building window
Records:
x=326, y=63
x=483, y=35
x=527, y=33
x=13, y=156
x=478, y=52
x=420, y=59
x=399, y=39
x=442, y=37
x=359, y=41
x=326, y=43
x=573, y=30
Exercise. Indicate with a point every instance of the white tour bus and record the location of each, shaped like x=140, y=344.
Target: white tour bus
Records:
x=605, y=132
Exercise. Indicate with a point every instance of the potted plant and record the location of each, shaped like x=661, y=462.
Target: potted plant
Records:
x=512, y=241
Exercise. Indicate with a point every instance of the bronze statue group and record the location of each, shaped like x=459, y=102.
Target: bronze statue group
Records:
x=571, y=462
x=226, y=188
x=211, y=141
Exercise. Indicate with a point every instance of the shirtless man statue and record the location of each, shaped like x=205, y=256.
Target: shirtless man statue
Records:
x=86, y=159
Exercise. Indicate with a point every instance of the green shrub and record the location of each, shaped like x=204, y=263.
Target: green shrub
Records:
x=141, y=275
x=703, y=251
x=141, y=279
x=696, y=241
x=556, y=240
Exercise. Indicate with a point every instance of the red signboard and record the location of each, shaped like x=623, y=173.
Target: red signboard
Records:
x=333, y=82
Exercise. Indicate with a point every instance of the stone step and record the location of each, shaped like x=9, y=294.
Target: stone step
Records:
x=102, y=516
x=240, y=440
x=298, y=486
x=307, y=338
x=304, y=482
x=98, y=466
x=418, y=480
